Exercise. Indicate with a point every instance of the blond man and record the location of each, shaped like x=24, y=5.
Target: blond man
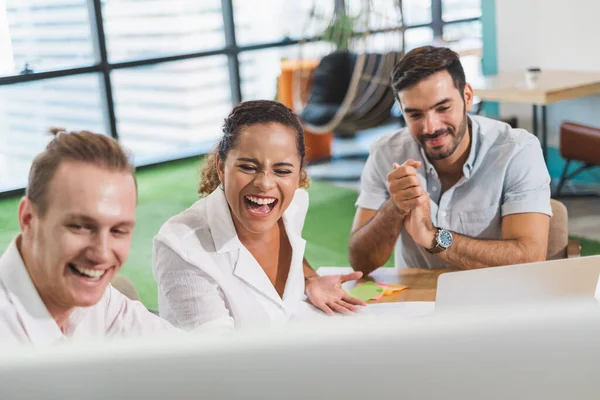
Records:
x=76, y=221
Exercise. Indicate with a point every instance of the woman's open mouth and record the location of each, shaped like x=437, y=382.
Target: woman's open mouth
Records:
x=260, y=206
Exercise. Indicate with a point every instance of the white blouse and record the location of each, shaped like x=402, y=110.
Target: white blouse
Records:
x=207, y=279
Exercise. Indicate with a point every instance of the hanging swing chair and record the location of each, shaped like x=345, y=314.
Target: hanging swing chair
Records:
x=350, y=88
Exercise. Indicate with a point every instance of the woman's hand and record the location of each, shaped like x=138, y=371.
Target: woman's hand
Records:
x=326, y=293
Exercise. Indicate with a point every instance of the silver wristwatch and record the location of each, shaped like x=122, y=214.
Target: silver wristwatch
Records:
x=443, y=240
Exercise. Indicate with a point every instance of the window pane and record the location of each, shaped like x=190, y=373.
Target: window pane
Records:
x=259, y=69
x=466, y=38
x=30, y=109
x=418, y=37
x=42, y=35
x=302, y=19
x=453, y=10
x=155, y=28
x=384, y=42
x=417, y=12
x=463, y=31
x=260, y=21
x=384, y=14
x=171, y=109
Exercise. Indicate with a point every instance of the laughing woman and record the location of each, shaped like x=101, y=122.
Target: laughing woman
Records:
x=235, y=258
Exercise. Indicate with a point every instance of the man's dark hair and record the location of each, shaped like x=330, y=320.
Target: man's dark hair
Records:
x=422, y=62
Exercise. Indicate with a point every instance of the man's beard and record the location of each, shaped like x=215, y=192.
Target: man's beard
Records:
x=457, y=138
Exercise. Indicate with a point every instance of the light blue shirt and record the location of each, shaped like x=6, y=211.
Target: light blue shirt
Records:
x=505, y=174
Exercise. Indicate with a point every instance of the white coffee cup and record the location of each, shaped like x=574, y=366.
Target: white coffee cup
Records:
x=532, y=76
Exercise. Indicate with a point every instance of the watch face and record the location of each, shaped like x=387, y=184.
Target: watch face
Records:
x=444, y=238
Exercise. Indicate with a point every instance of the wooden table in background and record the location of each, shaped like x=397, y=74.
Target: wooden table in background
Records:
x=422, y=283
x=552, y=86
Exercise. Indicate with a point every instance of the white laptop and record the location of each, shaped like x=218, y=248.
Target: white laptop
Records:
x=515, y=284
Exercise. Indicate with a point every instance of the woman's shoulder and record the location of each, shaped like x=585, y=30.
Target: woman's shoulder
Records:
x=186, y=223
x=188, y=239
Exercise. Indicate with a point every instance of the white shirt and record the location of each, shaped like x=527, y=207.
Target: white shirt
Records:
x=24, y=319
x=206, y=277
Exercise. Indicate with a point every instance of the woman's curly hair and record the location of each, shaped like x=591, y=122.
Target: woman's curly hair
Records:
x=243, y=115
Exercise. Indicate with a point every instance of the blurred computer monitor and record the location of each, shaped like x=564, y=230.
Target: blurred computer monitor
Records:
x=525, y=352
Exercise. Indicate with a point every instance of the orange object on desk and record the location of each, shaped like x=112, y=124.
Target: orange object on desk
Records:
x=391, y=288
x=318, y=146
x=388, y=289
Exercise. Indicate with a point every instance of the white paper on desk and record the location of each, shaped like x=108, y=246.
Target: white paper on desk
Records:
x=407, y=309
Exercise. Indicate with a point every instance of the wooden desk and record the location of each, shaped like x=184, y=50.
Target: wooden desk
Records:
x=422, y=283
x=551, y=87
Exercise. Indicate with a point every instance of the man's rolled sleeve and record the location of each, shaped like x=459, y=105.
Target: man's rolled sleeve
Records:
x=373, y=184
x=527, y=182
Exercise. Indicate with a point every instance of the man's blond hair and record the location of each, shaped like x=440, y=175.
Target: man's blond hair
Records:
x=83, y=146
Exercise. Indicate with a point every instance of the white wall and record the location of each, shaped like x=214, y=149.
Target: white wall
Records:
x=550, y=35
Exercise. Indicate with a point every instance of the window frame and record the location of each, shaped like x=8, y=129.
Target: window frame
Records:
x=104, y=67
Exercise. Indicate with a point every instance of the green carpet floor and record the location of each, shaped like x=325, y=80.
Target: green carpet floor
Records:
x=167, y=190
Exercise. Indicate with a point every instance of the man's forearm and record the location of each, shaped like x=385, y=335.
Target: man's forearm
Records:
x=372, y=245
x=468, y=253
